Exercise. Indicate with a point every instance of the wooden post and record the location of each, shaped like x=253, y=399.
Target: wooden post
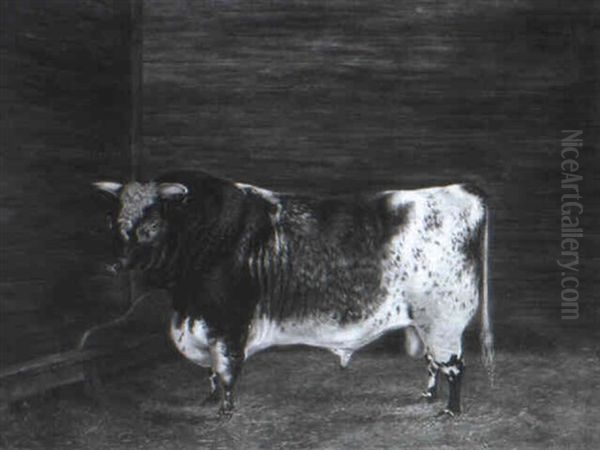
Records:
x=135, y=129
x=136, y=63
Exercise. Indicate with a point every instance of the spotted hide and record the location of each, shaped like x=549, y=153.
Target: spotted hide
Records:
x=249, y=269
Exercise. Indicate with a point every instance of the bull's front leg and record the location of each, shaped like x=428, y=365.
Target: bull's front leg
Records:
x=430, y=393
x=214, y=394
x=227, y=362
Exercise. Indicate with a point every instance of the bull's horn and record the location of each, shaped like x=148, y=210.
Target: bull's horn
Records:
x=172, y=190
x=112, y=187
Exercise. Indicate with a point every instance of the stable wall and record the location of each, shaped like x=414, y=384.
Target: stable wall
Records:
x=65, y=106
x=341, y=96
x=311, y=96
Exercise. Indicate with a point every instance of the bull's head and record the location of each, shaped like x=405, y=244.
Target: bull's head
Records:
x=140, y=227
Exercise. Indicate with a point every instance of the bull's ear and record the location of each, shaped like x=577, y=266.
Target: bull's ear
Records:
x=172, y=191
x=111, y=187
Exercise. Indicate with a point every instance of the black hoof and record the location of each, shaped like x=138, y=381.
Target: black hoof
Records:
x=225, y=414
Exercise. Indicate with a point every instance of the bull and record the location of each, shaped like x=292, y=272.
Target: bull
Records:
x=249, y=269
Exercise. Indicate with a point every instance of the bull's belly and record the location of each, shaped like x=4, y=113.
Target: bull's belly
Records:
x=342, y=339
x=190, y=336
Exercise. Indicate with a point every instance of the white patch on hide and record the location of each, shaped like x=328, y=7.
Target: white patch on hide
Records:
x=270, y=196
x=220, y=361
x=193, y=344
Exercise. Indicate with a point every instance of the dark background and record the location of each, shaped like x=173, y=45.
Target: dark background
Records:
x=340, y=96
x=312, y=96
x=65, y=105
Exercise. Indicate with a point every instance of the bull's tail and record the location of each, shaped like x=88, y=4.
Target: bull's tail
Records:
x=486, y=337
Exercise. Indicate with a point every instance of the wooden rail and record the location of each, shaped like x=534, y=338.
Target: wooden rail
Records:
x=132, y=339
x=77, y=366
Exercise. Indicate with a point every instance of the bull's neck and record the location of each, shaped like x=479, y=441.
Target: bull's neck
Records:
x=191, y=253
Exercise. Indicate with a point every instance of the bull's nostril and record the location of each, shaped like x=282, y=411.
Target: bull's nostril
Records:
x=113, y=269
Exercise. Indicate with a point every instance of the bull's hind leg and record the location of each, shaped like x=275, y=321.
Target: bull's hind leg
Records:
x=433, y=371
x=454, y=370
x=445, y=348
x=415, y=347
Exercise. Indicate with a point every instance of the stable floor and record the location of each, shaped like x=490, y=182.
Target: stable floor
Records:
x=545, y=397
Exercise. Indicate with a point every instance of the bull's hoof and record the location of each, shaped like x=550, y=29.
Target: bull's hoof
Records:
x=446, y=412
x=226, y=409
x=225, y=414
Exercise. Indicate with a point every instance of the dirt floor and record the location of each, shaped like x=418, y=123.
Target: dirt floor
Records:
x=299, y=398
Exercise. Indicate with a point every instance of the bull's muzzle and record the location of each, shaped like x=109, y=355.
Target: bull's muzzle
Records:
x=115, y=268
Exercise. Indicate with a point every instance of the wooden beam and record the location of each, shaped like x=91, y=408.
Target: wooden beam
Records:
x=76, y=366
x=136, y=78
x=136, y=42
x=130, y=340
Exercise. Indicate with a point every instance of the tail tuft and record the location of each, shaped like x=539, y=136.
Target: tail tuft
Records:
x=488, y=355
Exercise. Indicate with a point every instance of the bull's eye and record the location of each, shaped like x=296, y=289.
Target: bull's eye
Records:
x=147, y=231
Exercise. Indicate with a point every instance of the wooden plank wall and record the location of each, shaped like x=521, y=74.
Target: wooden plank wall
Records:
x=64, y=99
x=344, y=95
x=316, y=96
